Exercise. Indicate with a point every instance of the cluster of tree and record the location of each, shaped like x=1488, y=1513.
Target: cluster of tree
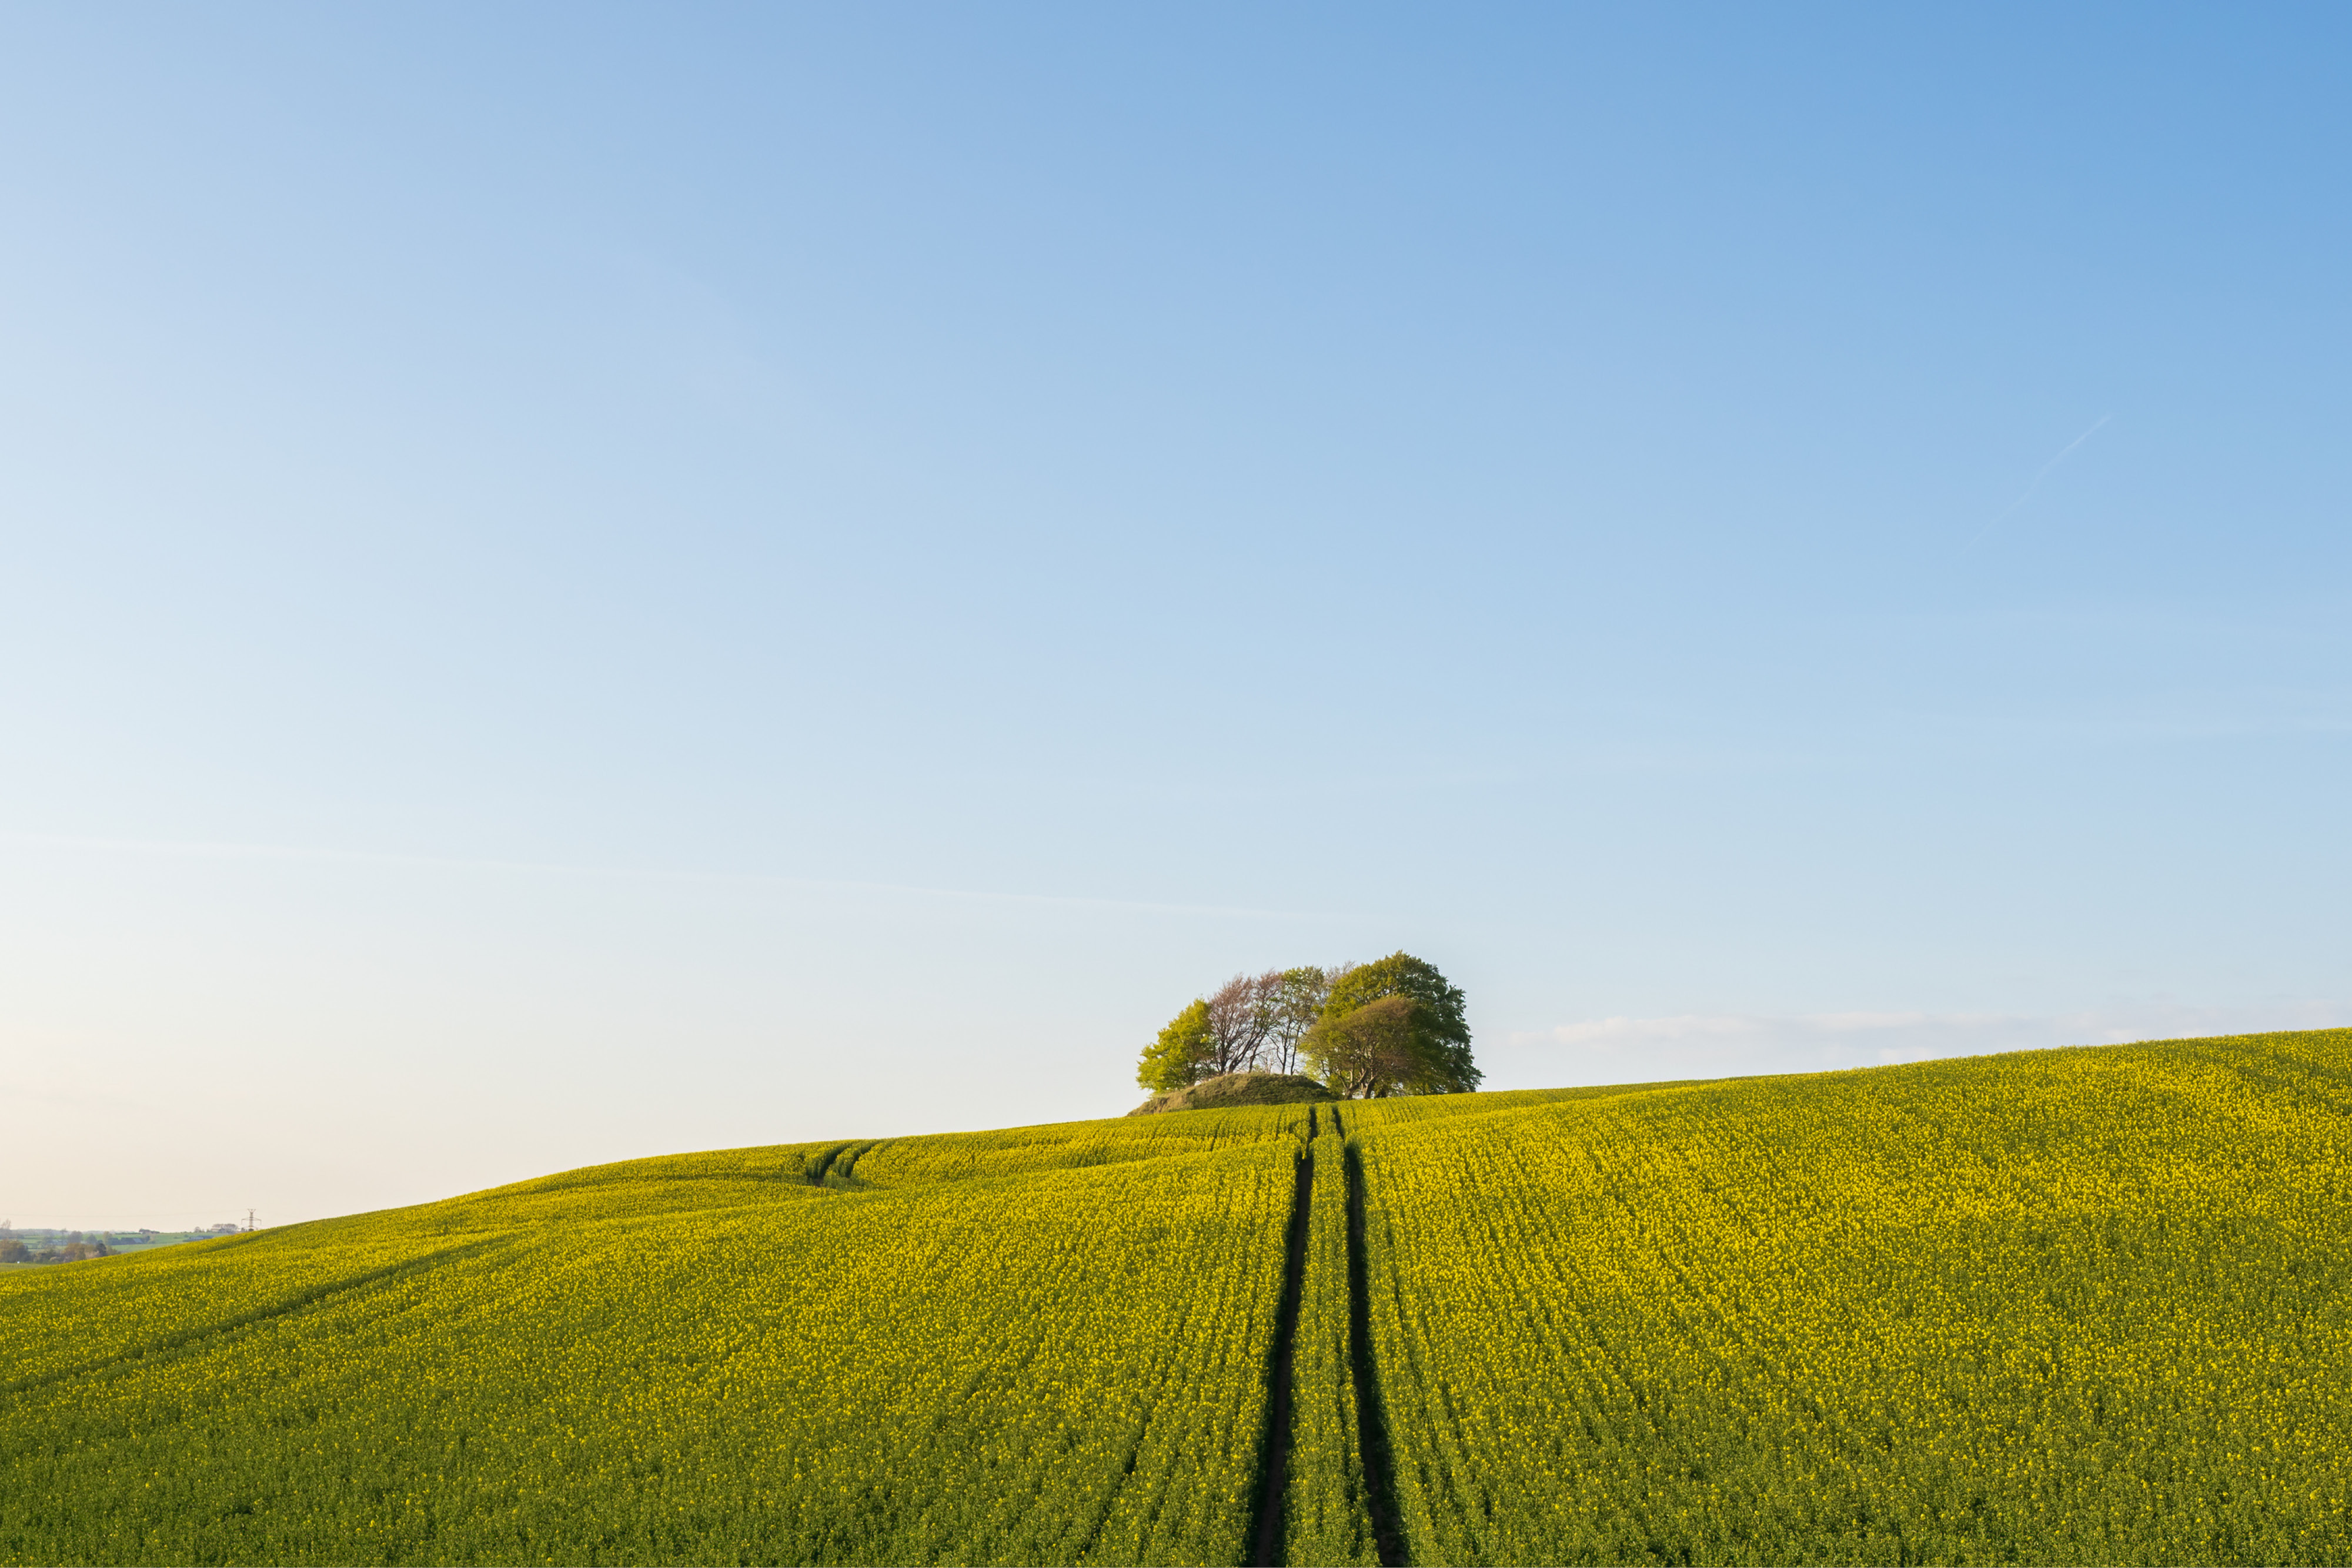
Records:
x=1255, y=1023
x=1391, y=1026
x=73, y=1249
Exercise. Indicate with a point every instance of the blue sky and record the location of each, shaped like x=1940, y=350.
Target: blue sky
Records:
x=587, y=581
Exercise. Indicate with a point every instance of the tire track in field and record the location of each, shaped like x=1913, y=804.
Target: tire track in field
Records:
x=1274, y=1480
x=1371, y=1416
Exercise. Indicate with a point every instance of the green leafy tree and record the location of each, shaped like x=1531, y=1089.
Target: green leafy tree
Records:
x=1423, y=1049
x=1367, y=1051
x=1294, y=1001
x=1184, y=1053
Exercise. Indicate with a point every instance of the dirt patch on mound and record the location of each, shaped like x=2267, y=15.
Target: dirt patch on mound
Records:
x=1238, y=1088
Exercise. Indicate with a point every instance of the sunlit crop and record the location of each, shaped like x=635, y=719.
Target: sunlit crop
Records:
x=1326, y=1519
x=2079, y=1306
x=2082, y=1306
x=1065, y=1368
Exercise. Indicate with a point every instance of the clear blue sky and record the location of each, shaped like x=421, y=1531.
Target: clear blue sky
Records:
x=587, y=581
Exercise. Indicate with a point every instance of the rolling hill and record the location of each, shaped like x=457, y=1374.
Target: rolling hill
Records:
x=2085, y=1305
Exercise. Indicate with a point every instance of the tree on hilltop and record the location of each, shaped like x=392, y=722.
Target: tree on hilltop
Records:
x=1252, y=1023
x=1366, y=1052
x=1255, y=1021
x=1294, y=999
x=1305, y=1020
x=1237, y=1024
x=1419, y=1045
x=1181, y=1053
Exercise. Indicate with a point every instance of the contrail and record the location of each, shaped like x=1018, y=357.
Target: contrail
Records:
x=2027, y=494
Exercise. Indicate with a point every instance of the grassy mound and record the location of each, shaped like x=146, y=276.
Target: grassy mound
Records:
x=2072, y=1306
x=1238, y=1089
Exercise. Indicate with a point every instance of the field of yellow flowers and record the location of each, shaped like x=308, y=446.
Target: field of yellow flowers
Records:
x=703, y=1359
x=2080, y=1306
x=1326, y=1513
x=2064, y=1306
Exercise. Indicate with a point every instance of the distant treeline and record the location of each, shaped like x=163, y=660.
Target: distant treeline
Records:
x=70, y=1248
x=74, y=1246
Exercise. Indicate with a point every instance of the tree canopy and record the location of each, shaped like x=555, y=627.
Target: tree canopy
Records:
x=1420, y=1047
x=1181, y=1053
x=1365, y=1051
x=1395, y=1026
x=1257, y=1021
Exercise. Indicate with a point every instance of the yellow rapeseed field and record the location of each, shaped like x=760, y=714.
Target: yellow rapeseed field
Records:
x=2082, y=1306
x=717, y=1362
x=1326, y=1513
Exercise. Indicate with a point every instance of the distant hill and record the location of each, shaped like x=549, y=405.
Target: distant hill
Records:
x=1238, y=1089
x=2085, y=1305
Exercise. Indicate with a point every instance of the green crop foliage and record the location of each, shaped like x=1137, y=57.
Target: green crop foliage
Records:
x=1325, y=1519
x=1063, y=1145
x=2082, y=1306
x=1363, y=1115
x=1064, y=1368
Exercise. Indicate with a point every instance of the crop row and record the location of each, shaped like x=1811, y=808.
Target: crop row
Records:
x=1327, y=1511
x=1066, y=1145
x=2084, y=1306
x=1067, y=1368
x=2078, y=1306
